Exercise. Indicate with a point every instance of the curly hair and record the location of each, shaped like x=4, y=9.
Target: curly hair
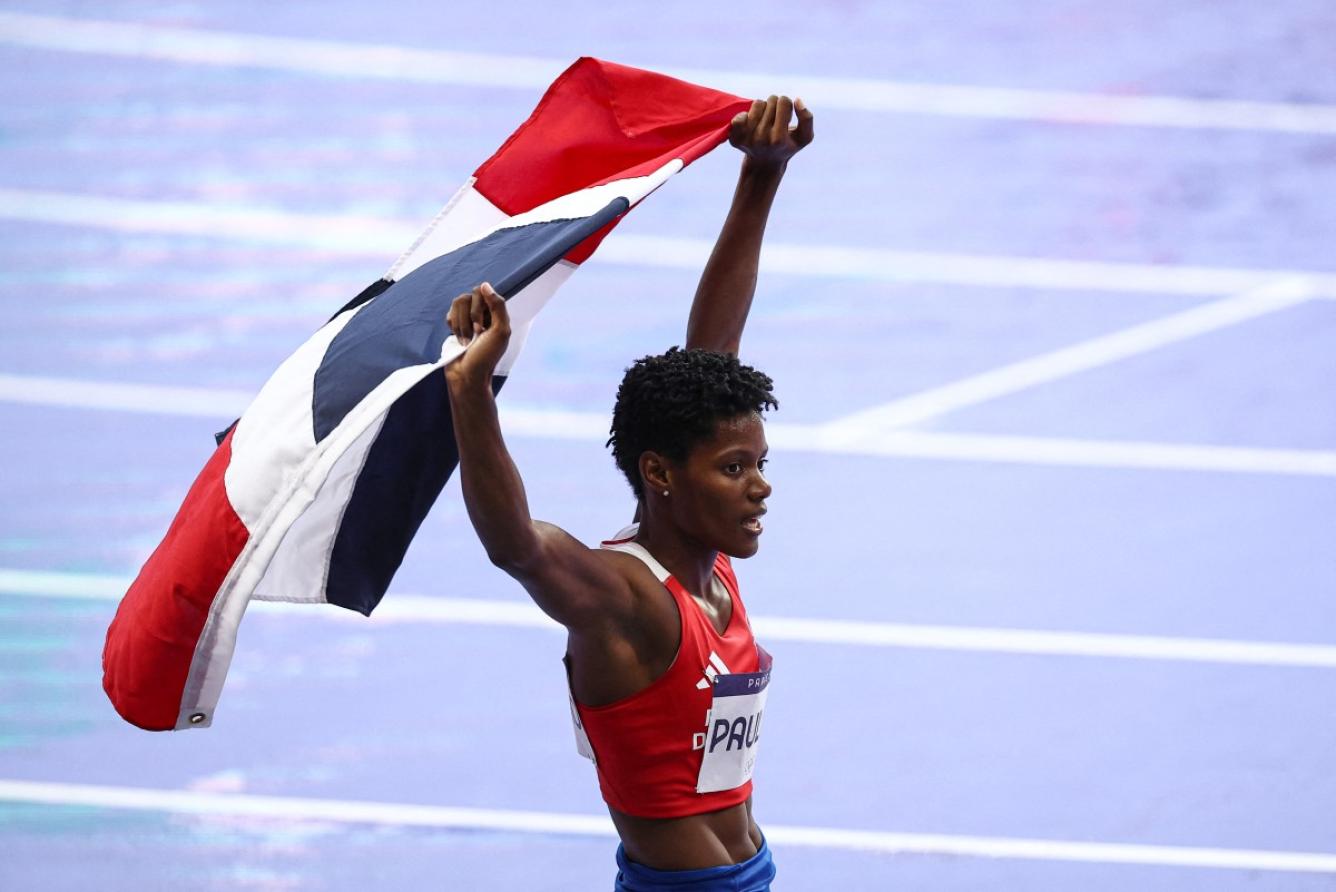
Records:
x=670, y=402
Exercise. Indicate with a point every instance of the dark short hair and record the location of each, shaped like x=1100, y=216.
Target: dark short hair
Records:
x=670, y=402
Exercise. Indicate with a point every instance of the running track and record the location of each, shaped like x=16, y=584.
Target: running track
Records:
x=1049, y=572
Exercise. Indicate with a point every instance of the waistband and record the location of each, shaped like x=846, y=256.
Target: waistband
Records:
x=753, y=875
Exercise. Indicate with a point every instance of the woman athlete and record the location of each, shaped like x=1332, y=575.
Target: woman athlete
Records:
x=667, y=683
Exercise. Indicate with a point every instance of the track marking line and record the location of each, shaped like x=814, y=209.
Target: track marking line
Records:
x=1063, y=452
x=343, y=233
x=1081, y=357
x=330, y=58
x=344, y=811
x=222, y=405
x=353, y=235
x=418, y=609
x=155, y=399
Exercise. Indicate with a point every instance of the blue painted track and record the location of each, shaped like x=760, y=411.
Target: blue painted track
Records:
x=866, y=738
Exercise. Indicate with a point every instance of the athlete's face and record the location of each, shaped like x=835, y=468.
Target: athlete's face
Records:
x=719, y=492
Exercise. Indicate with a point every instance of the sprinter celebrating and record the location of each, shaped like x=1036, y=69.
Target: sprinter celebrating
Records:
x=667, y=684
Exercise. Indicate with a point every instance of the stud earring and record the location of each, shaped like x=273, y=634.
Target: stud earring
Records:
x=665, y=492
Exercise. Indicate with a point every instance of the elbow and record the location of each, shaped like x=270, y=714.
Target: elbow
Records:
x=516, y=560
x=506, y=560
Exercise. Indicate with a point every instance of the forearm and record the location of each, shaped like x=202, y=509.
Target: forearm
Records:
x=493, y=491
x=724, y=296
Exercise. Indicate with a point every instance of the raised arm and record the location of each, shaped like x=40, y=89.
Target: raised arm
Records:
x=567, y=580
x=724, y=296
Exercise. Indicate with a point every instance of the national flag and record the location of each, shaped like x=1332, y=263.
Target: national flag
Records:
x=314, y=494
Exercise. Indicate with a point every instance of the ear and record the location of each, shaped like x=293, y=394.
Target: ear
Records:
x=654, y=473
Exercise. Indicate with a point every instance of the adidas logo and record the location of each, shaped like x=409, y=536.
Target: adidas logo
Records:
x=715, y=668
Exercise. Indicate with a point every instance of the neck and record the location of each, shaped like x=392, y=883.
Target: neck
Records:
x=690, y=562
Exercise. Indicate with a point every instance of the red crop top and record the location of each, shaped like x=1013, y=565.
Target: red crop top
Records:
x=649, y=747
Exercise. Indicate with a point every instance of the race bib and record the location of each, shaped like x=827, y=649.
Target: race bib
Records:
x=733, y=729
x=582, y=744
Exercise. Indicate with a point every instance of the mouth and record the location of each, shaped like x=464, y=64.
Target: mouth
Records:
x=753, y=525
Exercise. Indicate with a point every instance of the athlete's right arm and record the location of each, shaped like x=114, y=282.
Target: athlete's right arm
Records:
x=567, y=580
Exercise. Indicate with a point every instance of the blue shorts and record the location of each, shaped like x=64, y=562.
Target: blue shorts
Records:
x=753, y=875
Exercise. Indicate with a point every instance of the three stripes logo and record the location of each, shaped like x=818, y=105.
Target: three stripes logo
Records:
x=713, y=670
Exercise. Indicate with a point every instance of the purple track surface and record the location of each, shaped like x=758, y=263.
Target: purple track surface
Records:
x=111, y=155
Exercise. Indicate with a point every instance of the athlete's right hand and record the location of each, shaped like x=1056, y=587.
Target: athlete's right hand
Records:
x=481, y=322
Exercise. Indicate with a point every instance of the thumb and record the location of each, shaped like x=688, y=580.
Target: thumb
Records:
x=496, y=305
x=737, y=128
x=803, y=133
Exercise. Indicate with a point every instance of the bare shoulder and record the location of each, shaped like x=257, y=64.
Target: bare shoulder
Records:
x=647, y=595
x=584, y=588
x=619, y=651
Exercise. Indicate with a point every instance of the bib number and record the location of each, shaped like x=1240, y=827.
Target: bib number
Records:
x=733, y=729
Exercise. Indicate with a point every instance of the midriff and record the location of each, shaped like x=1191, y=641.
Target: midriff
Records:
x=695, y=842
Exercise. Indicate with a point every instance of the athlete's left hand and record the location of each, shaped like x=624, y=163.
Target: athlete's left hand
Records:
x=763, y=133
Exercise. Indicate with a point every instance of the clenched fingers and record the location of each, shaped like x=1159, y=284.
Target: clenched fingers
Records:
x=473, y=313
x=744, y=123
x=779, y=127
x=498, y=317
x=458, y=318
x=767, y=122
x=478, y=311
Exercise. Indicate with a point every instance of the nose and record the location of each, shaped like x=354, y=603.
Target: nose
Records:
x=761, y=488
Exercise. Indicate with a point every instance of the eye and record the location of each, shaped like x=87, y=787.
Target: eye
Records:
x=733, y=468
x=760, y=465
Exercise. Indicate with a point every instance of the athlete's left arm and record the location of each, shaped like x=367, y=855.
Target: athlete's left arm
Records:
x=767, y=141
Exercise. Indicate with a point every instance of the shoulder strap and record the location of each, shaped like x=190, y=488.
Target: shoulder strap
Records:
x=625, y=542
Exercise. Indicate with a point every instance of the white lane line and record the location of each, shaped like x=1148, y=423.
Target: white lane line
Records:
x=223, y=405
x=1060, y=452
x=381, y=62
x=54, y=584
x=563, y=824
x=968, y=270
x=342, y=233
x=381, y=237
x=400, y=607
x=232, y=49
x=1068, y=361
x=1042, y=642
x=155, y=399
